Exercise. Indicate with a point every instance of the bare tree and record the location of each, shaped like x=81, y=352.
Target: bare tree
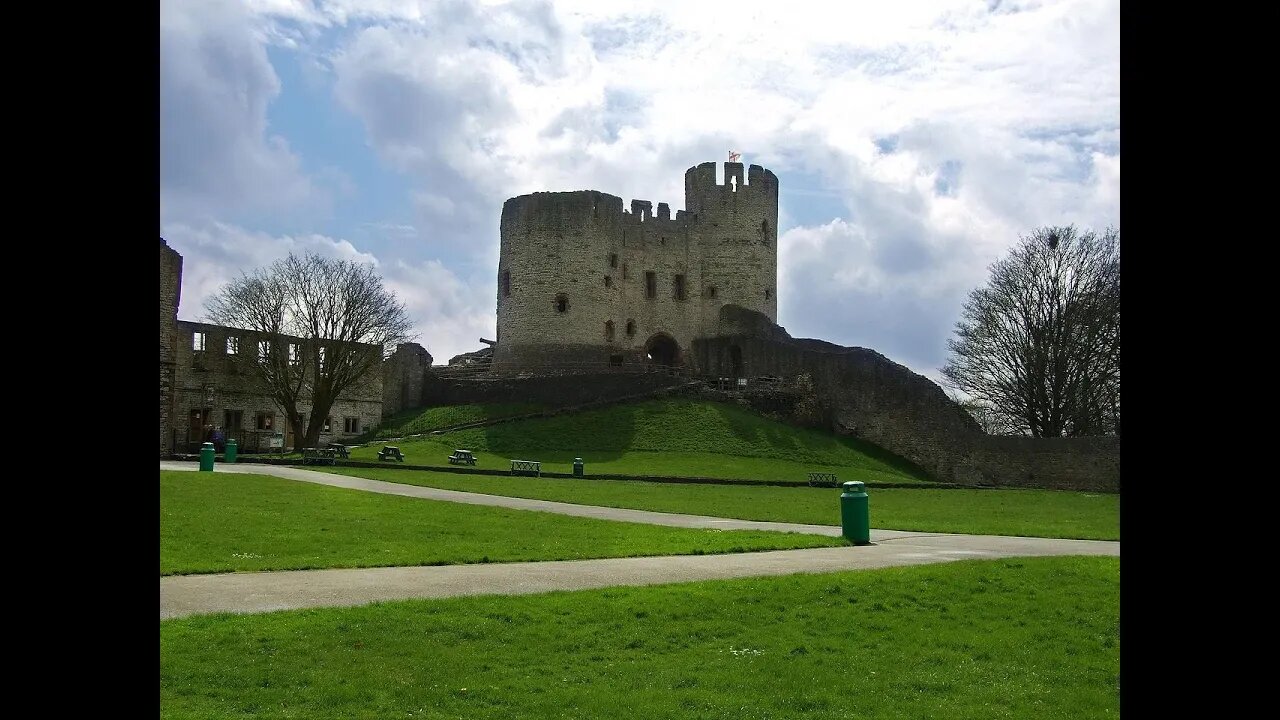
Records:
x=991, y=422
x=322, y=326
x=1039, y=346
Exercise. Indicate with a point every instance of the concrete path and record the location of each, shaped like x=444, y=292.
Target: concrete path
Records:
x=262, y=592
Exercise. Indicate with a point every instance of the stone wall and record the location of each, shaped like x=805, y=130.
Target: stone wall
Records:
x=216, y=381
x=170, y=292
x=403, y=377
x=866, y=395
x=549, y=390
x=584, y=248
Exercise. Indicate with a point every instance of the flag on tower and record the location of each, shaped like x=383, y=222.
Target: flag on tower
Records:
x=733, y=156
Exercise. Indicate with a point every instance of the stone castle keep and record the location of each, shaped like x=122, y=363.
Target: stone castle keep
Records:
x=582, y=280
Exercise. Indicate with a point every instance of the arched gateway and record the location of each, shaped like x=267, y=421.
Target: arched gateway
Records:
x=662, y=349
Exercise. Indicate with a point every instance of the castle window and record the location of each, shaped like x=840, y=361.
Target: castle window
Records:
x=232, y=419
x=264, y=420
x=320, y=363
x=679, y=287
x=764, y=231
x=767, y=293
x=651, y=284
x=615, y=360
x=506, y=283
x=562, y=303
x=608, y=330
x=608, y=281
x=613, y=260
x=625, y=274
x=328, y=423
x=631, y=328
x=197, y=341
x=351, y=425
x=663, y=241
x=295, y=355
x=233, y=345
x=711, y=292
x=264, y=351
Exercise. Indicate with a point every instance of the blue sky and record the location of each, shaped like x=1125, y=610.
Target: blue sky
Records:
x=914, y=142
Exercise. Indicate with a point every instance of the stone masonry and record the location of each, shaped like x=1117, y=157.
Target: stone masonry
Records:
x=403, y=377
x=582, y=280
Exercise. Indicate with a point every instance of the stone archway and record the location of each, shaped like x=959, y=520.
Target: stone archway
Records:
x=662, y=349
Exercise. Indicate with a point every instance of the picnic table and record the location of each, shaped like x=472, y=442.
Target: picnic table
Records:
x=320, y=456
x=462, y=457
x=390, y=452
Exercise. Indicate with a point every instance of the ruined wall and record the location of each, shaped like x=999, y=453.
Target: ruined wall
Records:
x=403, y=377
x=866, y=395
x=549, y=390
x=211, y=382
x=583, y=246
x=170, y=294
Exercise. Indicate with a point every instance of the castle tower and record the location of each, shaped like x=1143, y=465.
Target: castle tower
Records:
x=583, y=281
x=736, y=225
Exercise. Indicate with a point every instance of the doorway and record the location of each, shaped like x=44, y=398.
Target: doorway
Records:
x=662, y=349
x=735, y=361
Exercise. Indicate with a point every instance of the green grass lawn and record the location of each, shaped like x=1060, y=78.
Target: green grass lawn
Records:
x=678, y=437
x=1017, y=638
x=215, y=522
x=1033, y=513
x=420, y=420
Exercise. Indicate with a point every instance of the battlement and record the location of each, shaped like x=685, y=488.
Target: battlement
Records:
x=702, y=178
x=701, y=191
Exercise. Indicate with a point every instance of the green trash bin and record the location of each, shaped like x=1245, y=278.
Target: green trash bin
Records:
x=855, y=513
x=231, y=450
x=577, y=467
x=206, y=457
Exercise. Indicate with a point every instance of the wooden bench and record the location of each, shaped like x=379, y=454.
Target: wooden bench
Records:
x=526, y=467
x=820, y=479
x=319, y=456
x=390, y=452
x=462, y=457
x=341, y=451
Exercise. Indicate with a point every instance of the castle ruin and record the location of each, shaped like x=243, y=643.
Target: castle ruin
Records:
x=583, y=280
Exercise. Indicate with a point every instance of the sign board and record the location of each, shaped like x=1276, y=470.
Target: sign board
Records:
x=276, y=440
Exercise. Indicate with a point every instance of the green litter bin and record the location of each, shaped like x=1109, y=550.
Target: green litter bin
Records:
x=577, y=467
x=855, y=513
x=206, y=457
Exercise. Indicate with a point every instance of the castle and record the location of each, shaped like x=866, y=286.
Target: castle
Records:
x=582, y=280
x=587, y=292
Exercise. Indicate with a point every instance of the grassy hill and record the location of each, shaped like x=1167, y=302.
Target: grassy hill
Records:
x=416, y=421
x=673, y=436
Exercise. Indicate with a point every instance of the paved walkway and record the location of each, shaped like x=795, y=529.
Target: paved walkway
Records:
x=261, y=592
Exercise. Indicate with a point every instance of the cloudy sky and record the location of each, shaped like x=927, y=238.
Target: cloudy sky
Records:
x=913, y=141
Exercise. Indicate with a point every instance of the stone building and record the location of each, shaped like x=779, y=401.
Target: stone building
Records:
x=207, y=383
x=582, y=280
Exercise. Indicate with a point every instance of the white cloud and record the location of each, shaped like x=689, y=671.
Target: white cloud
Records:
x=217, y=156
x=941, y=130
x=450, y=314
